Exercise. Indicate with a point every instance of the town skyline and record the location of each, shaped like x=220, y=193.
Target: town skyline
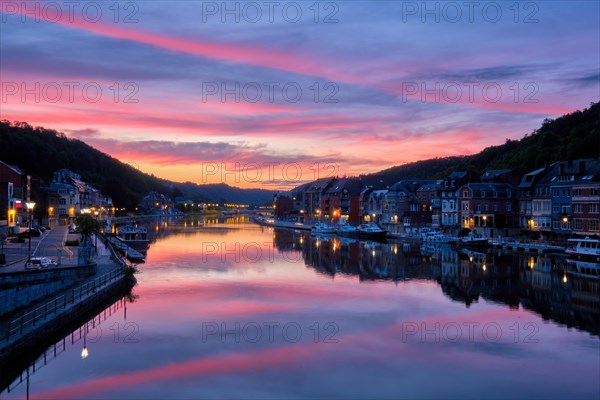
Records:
x=335, y=88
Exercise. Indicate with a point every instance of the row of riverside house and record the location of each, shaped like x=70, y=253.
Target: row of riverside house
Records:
x=560, y=199
x=55, y=203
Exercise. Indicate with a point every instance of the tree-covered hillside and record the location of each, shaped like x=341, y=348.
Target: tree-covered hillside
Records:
x=39, y=152
x=572, y=136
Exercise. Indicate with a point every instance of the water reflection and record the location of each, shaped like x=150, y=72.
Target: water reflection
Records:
x=216, y=321
x=19, y=368
x=545, y=284
x=159, y=228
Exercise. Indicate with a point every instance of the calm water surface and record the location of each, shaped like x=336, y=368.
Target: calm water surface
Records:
x=234, y=310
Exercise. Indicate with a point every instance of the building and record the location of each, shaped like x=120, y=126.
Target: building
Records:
x=488, y=208
x=68, y=196
x=373, y=204
x=282, y=204
x=449, y=195
x=572, y=185
x=429, y=195
x=342, y=201
x=534, y=193
x=586, y=198
x=157, y=204
x=312, y=197
x=15, y=192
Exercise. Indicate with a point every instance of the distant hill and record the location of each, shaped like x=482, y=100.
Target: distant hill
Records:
x=39, y=152
x=572, y=136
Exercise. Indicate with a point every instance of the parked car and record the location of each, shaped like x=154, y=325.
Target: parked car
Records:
x=40, y=263
x=30, y=232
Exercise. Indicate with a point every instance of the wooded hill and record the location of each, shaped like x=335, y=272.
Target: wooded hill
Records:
x=39, y=152
x=572, y=136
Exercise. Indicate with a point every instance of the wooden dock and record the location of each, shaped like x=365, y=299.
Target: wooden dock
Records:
x=130, y=253
x=526, y=247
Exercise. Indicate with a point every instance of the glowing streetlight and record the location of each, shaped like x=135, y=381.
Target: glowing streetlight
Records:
x=84, y=353
x=30, y=205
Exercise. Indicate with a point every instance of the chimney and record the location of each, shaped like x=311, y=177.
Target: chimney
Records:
x=581, y=167
x=561, y=168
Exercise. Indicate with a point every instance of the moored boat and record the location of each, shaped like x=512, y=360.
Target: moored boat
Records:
x=133, y=236
x=435, y=237
x=474, y=240
x=322, y=228
x=371, y=231
x=585, y=248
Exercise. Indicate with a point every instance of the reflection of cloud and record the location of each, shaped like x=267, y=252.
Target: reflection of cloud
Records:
x=370, y=347
x=212, y=365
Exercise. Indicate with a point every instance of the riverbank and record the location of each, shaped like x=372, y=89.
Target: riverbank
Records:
x=22, y=329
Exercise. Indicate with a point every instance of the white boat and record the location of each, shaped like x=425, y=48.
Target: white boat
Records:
x=435, y=237
x=371, y=231
x=584, y=248
x=133, y=236
x=474, y=239
x=321, y=228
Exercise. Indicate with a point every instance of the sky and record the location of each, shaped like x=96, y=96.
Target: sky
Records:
x=272, y=94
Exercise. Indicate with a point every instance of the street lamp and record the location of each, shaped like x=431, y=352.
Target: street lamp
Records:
x=97, y=231
x=30, y=205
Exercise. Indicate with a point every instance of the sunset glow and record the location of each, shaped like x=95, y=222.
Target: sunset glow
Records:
x=356, y=87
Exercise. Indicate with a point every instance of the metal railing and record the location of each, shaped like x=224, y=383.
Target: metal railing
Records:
x=76, y=335
x=53, y=307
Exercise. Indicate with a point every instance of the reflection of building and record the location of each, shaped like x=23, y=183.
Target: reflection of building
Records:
x=585, y=295
x=538, y=282
x=549, y=288
x=368, y=260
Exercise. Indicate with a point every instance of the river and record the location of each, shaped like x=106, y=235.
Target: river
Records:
x=228, y=309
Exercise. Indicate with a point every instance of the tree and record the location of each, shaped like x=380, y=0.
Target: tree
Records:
x=87, y=226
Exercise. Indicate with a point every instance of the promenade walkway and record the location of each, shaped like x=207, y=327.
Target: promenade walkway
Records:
x=106, y=269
